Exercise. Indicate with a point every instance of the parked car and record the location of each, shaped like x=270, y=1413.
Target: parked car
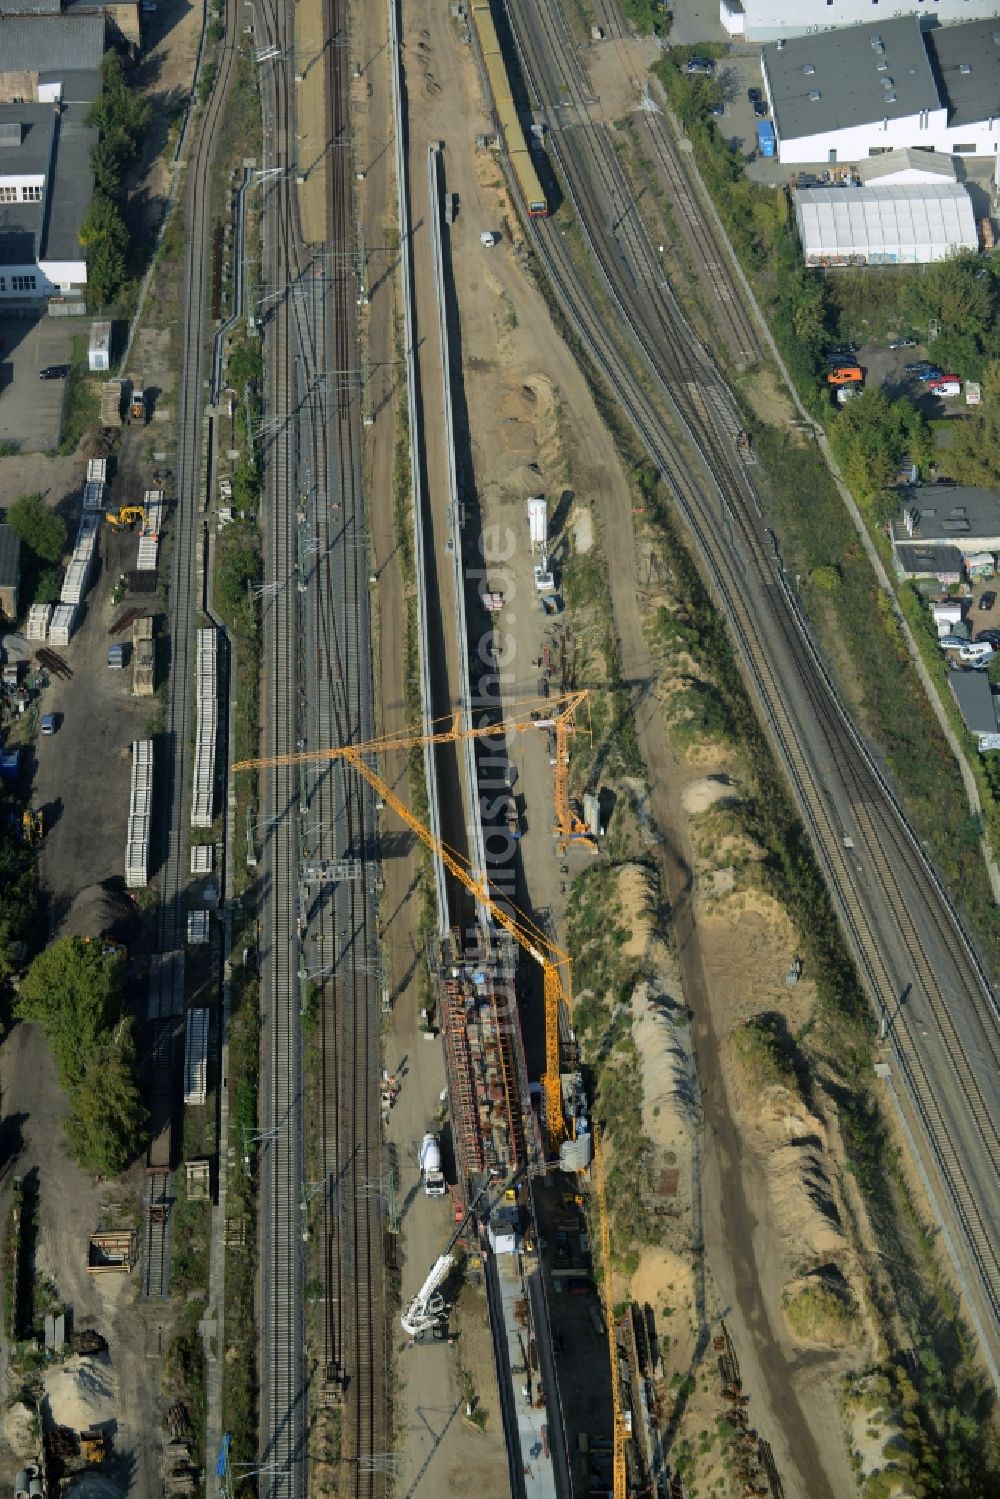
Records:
x=718, y=110
x=990, y=637
x=840, y=351
x=760, y=110
x=48, y=723
x=754, y=95
x=840, y=361
x=488, y=239
x=917, y=365
x=54, y=372
x=703, y=65
x=946, y=386
x=903, y=343
x=933, y=373
x=986, y=603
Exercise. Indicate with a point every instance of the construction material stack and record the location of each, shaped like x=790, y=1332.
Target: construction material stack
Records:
x=95, y=488
x=143, y=657
x=62, y=624
x=140, y=815
x=149, y=537
x=196, y=1057
x=111, y=404
x=39, y=619
x=206, y=705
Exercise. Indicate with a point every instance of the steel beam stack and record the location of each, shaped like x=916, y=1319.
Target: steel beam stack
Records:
x=140, y=815
x=206, y=705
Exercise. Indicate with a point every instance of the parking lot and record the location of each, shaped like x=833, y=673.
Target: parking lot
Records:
x=31, y=409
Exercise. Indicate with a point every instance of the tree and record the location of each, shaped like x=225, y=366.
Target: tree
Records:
x=49, y=586
x=870, y=437
x=974, y=451
x=105, y=239
x=39, y=528
x=74, y=993
x=107, y=1117
x=960, y=298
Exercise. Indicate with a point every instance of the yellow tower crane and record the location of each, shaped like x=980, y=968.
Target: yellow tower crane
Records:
x=555, y=964
x=555, y=713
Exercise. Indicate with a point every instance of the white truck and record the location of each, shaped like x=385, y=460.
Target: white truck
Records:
x=430, y=1166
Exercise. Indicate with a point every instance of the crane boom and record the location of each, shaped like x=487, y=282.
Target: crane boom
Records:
x=540, y=714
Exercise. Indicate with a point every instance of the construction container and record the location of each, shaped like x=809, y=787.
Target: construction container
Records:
x=39, y=619
x=99, y=352
x=62, y=624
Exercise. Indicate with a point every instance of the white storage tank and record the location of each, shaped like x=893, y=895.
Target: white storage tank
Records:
x=99, y=354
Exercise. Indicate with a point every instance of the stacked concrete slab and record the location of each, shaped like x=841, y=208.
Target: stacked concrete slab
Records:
x=140, y=815
x=149, y=538
x=196, y=1057
x=206, y=705
x=82, y=561
x=39, y=619
x=62, y=624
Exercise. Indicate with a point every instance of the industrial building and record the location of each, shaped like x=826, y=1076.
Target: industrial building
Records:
x=943, y=530
x=10, y=570
x=884, y=225
x=978, y=707
x=49, y=76
x=766, y=20
x=857, y=92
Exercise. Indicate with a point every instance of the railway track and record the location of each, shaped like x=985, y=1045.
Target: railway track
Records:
x=165, y=1006
x=319, y=676
x=920, y=968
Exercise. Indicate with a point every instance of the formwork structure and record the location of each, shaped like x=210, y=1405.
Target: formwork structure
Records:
x=62, y=624
x=39, y=620
x=196, y=1057
x=140, y=815
x=493, y=1123
x=113, y=1252
x=143, y=657
x=206, y=703
x=149, y=536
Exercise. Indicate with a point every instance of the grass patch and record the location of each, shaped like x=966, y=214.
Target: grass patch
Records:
x=81, y=400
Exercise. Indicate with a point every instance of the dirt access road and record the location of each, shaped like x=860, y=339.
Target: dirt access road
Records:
x=507, y=338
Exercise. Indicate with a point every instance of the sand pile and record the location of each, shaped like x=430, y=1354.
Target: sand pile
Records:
x=708, y=791
x=80, y=1392
x=670, y=1095
x=20, y=1426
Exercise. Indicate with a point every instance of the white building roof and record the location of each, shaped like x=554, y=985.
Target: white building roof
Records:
x=884, y=224
x=907, y=165
x=858, y=76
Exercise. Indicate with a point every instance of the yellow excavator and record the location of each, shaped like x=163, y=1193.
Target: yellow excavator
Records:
x=32, y=826
x=126, y=517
